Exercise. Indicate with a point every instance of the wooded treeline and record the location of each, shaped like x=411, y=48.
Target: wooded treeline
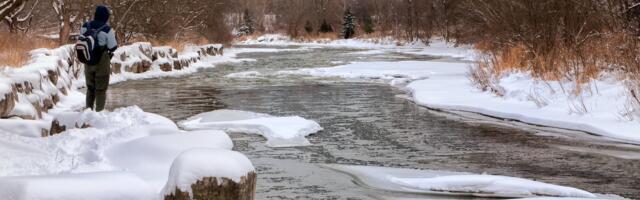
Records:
x=540, y=35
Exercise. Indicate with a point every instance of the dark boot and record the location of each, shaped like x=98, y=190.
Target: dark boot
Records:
x=91, y=96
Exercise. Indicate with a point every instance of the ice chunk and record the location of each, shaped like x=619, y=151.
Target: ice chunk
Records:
x=279, y=131
x=388, y=71
x=247, y=74
x=99, y=186
x=193, y=165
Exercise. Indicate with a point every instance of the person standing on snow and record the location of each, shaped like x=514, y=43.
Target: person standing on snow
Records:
x=97, y=76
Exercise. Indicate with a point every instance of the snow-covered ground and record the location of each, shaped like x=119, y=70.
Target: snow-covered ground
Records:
x=445, y=85
x=121, y=154
x=458, y=183
x=280, y=131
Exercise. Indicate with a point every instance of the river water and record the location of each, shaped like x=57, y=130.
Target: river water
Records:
x=368, y=123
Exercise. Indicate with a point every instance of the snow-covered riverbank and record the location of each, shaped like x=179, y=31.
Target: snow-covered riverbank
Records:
x=445, y=85
x=60, y=151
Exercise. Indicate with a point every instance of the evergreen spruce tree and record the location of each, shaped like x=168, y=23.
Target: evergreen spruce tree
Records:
x=349, y=25
x=247, y=26
x=325, y=27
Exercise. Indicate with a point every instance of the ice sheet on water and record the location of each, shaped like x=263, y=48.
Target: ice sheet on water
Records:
x=457, y=183
x=279, y=131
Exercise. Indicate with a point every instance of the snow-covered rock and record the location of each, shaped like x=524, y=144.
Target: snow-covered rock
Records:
x=279, y=131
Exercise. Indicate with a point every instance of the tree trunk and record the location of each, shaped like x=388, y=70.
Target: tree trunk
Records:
x=209, y=188
x=65, y=29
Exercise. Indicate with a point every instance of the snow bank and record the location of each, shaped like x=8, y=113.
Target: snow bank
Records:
x=490, y=185
x=27, y=128
x=128, y=139
x=281, y=40
x=530, y=101
x=445, y=85
x=438, y=47
x=77, y=150
x=99, y=186
x=150, y=157
x=279, y=131
x=455, y=183
x=86, y=160
x=193, y=165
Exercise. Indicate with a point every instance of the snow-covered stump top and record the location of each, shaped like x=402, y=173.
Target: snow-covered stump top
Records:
x=211, y=174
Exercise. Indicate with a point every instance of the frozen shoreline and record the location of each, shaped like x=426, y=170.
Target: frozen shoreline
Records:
x=105, y=148
x=444, y=85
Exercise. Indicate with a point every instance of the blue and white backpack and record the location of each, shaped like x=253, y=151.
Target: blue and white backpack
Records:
x=87, y=49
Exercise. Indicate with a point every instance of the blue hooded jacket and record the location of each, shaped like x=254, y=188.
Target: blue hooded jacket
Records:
x=106, y=36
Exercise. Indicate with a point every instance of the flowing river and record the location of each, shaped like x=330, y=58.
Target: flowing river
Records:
x=373, y=124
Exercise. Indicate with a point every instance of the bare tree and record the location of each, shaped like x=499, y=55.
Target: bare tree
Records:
x=70, y=16
x=12, y=11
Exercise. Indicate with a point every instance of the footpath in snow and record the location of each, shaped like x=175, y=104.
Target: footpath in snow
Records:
x=445, y=85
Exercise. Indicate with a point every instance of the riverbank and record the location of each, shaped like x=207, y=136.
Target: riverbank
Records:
x=366, y=124
x=602, y=109
x=51, y=148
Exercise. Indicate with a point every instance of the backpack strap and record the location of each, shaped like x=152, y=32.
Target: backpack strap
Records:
x=96, y=31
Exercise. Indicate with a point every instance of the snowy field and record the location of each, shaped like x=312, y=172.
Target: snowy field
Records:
x=445, y=85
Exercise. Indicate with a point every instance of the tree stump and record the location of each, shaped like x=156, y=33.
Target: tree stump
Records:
x=209, y=188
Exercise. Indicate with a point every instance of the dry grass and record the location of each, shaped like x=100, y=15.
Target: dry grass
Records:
x=15, y=48
x=612, y=55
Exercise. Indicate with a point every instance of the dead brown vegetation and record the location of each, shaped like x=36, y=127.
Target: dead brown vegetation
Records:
x=15, y=48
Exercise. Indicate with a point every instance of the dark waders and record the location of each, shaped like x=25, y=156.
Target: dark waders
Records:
x=97, y=77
